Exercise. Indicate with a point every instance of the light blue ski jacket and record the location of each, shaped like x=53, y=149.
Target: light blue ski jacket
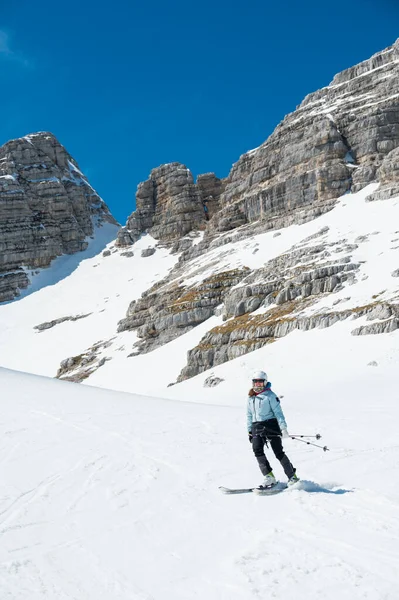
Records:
x=264, y=406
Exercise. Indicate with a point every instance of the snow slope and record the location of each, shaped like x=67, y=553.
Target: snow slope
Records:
x=110, y=495
x=97, y=286
x=103, y=287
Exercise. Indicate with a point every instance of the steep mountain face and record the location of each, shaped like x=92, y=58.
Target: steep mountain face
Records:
x=47, y=208
x=339, y=139
x=335, y=141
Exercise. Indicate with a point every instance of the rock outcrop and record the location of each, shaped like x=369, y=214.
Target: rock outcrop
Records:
x=210, y=189
x=169, y=204
x=78, y=368
x=168, y=311
x=50, y=324
x=283, y=288
x=47, y=208
x=250, y=332
x=388, y=176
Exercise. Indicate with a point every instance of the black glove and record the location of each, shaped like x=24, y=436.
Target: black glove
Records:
x=250, y=436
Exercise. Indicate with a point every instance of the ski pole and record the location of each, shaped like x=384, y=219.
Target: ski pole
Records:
x=317, y=436
x=309, y=443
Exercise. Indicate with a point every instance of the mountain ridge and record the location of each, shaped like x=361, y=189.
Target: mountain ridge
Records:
x=332, y=143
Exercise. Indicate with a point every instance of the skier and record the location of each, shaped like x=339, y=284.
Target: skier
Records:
x=266, y=423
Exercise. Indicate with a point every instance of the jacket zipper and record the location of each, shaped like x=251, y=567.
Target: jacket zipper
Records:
x=255, y=408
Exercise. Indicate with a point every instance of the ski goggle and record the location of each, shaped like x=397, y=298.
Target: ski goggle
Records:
x=258, y=381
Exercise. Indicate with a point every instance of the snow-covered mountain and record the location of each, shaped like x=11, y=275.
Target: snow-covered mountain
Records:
x=47, y=209
x=301, y=234
x=78, y=316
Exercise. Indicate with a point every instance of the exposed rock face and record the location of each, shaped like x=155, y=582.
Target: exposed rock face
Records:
x=168, y=311
x=287, y=284
x=300, y=165
x=388, y=176
x=250, y=332
x=46, y=208
x=11, y=283
x=78, y=368
x=51, y=324
x=335, y=141
x=169, y=204
x=212, y=381
x=340, y=138
x=210, y=188
x=147, y=252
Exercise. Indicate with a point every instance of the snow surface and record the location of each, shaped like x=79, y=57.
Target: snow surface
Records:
x=81, y=284
x=62, y=266
x=109, y=495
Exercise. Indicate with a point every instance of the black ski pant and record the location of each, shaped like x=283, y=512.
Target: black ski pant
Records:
x=264, y=432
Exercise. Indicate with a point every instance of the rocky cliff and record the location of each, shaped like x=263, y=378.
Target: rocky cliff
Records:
x=169, y=204
x=339, y=139
x=47, y=208
x=335, y=141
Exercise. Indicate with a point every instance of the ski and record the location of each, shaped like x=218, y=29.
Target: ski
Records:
x=266, y=491
x=226, y=490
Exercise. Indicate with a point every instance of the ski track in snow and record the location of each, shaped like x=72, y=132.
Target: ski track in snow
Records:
x=105, y=495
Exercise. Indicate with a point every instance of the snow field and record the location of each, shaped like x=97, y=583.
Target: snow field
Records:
x=104, y=494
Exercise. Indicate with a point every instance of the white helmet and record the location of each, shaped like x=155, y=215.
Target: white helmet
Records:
x=259, y=375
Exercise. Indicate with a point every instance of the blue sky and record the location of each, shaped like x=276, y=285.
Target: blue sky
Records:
x=133, y=85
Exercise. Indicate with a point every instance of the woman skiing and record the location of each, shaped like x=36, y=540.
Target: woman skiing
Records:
x=266, y=423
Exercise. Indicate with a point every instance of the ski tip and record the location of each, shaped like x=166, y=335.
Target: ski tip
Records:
x=226, y=490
